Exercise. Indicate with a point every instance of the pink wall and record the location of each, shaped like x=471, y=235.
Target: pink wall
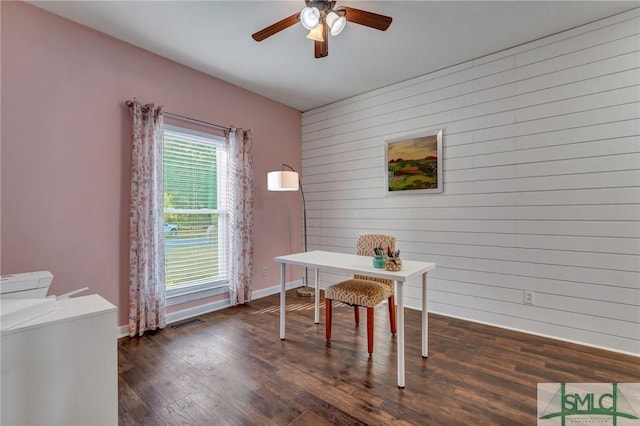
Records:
x=66, y=150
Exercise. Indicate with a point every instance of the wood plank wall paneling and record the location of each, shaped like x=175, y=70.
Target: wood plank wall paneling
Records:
x=541, y=178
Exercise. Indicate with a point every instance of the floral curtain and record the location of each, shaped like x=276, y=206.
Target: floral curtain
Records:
x=240, y=193
x=147, y=299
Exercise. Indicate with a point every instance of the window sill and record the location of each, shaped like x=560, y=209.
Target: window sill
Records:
x=178, y=296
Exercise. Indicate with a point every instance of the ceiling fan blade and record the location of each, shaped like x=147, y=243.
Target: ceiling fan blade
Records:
x=276, y=28
x=369, y=19
x=321, y=48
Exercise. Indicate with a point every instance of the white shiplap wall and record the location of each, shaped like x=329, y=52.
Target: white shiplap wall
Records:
x=541, y=183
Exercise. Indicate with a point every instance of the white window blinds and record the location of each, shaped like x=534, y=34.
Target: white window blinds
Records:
x=194, y=209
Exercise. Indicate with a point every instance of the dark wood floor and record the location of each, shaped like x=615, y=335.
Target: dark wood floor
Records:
x=232, y=369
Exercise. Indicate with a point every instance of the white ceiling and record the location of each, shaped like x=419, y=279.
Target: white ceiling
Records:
x=215, y=37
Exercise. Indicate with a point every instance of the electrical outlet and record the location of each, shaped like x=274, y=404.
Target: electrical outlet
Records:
x=528, y=297
x=265, y=271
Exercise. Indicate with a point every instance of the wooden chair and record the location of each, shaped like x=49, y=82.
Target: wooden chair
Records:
x=363, y=290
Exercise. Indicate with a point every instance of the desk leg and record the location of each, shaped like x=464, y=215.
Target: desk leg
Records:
x=400, y=317
x=317, y=301
x=283, y=299
x=425, y=318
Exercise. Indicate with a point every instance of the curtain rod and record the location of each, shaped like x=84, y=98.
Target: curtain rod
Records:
x=129, y=104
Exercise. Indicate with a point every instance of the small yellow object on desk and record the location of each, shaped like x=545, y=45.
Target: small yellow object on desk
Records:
x=393, y=264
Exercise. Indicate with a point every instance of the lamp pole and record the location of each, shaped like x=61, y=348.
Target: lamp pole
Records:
x=305, y=290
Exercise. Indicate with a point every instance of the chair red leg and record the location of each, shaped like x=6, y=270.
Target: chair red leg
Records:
x=392, y=314
x=356, y=314
x=327, y=320
x=370, y=330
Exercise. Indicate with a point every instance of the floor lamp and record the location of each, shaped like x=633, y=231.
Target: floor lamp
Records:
x=284, y=180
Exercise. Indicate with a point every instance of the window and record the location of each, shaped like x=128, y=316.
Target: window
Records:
x=194, y=214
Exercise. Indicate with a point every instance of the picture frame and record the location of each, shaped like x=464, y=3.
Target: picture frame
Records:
x=414, y=164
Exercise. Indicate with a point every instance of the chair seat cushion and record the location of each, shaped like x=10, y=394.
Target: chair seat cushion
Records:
x=359, y=292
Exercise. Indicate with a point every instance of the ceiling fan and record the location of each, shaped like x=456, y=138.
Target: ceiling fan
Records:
x=321, y=18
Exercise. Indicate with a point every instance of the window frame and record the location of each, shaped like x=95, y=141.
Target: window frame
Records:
x=183, y=293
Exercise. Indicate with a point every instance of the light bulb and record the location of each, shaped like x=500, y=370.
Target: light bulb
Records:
x=316, y=33
x=310, y=17
x=335, y=22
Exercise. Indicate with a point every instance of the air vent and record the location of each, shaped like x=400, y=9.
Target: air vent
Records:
x=186, y=323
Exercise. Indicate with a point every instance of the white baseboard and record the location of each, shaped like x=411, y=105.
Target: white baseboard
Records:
x=259, y=294
x=538, y=334
x=123, y=331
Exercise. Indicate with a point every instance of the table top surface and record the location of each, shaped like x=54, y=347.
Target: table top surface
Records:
x=351, y=263
x=66, y=309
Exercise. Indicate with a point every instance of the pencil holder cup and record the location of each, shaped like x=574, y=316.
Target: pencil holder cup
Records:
x=393, y=264
x=378, y=262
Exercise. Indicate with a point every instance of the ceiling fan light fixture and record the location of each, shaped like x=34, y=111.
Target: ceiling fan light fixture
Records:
x=316, y=33
x=310, y=17
x=321, y=18
x=335, y=22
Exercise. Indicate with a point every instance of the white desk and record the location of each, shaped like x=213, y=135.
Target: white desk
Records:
x=353, y=264
x=61, y=368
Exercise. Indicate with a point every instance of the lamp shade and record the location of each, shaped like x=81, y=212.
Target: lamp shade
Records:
x=316, y=33
x=336, y=23
x=310, y=17
x=282, y=181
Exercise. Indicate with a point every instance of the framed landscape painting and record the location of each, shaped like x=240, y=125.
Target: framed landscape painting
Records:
x=414, y=164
